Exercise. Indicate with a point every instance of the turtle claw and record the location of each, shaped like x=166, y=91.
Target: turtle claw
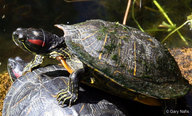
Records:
x=65, y=96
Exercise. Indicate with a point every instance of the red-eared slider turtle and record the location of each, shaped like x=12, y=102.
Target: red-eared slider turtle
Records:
x=33, y=95
x=119, y=59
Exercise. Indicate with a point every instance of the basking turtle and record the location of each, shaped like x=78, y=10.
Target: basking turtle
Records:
x=33, y=95
x=118, y=59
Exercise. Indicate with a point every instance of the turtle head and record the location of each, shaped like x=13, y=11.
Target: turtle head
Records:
x=36, y=41
x=15, y=67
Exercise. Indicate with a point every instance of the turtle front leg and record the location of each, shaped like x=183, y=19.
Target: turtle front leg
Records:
x=34, y=63
x=70, y=94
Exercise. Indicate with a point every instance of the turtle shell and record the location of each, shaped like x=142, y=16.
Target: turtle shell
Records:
x=126, y=56
x=34, y=95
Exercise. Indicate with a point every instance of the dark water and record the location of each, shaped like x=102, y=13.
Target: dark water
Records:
x=45, y=13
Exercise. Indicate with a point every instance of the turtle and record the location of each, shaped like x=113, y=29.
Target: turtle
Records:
x=116, y=58
x=33, y=95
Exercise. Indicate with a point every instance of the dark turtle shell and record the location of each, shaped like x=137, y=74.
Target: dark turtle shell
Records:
x=34, y=95
x=126, y=56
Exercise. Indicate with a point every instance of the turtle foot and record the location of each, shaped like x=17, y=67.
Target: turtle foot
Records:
x=69, y=95
x=66, y=98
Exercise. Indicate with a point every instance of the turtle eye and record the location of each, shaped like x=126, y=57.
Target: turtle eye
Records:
x=37, y=42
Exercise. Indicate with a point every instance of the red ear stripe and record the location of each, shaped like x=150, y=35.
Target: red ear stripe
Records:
x=17, y=75
x=37, y=42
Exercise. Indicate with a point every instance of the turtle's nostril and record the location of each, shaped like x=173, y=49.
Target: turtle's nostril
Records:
x=18, y=33
x=18, y=36
x=15, y=34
